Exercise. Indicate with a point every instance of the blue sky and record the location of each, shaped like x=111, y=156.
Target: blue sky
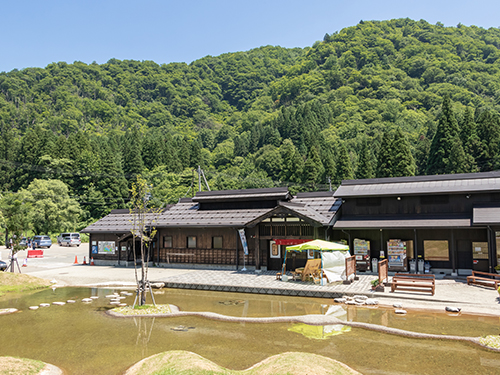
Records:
x=36, y=33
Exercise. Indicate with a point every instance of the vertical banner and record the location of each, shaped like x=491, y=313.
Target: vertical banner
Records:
x=243, y=240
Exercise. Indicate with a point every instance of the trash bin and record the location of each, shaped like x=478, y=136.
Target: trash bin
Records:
x=374, y=265
x=420, y=266
x=413, y=266
x=427, y=267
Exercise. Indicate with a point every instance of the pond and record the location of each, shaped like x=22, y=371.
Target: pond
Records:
x=81, y=339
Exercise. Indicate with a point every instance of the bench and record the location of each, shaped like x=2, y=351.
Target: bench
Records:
x=484, y=279
x=413, y=282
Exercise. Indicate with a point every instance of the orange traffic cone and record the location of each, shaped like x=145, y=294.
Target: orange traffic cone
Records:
x=84, y=260
x=92, y=261
x=76, y=260
x=25, y=263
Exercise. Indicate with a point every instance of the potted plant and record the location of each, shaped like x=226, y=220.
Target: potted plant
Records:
x=376, y=286
x=497, y=268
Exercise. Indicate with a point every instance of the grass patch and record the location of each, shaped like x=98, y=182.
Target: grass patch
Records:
x=18, y=282
x=143, y=310
x=180, y=362
x=493, y=341
x=14, y=365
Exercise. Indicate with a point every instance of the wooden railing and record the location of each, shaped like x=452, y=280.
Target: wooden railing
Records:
x=383, y=269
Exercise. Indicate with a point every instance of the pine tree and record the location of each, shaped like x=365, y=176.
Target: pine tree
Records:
x=132, y=156
x=344, y=169
x=365, y=163
x=384, y=160
x=489, y=133
x=470, y=141
x=439, y=161
x=313, y=168
x=403, y=163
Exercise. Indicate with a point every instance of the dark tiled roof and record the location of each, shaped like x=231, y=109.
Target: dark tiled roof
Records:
x=441, y=184
x=186, y=213
x=118, y=223
x=242, y=195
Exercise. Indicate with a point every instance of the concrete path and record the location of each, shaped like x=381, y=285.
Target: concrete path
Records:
x=58, y=264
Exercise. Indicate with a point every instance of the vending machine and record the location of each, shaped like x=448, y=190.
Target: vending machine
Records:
x=397, y=254
x=362, y=254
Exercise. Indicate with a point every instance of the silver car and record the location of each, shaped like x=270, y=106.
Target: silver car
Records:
x=42, y=241
x=70, y=239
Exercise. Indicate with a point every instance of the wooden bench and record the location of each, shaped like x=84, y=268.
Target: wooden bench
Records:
x=484, y=279
x=413, y=282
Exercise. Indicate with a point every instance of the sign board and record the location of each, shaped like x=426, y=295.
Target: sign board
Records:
x=243, y=240
x=106, y=247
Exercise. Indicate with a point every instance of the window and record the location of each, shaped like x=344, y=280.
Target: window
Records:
x=480, y=250
x=167, y=241
x=216, y=242
x=436, y=250
x=191, y=242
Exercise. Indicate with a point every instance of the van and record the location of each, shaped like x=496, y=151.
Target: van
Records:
x=69, y=239
x=42, y=241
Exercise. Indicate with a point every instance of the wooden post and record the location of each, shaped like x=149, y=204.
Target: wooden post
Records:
x=257, y=249
x=237, y=251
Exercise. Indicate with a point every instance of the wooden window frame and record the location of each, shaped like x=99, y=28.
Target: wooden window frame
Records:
x=221, y=242
x=195, y=242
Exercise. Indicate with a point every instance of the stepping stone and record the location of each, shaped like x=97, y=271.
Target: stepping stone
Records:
x=7, y=311
x=122, y=304
x=350, y=303
x=370, y=301
x=94, y=297
x=34, y=307
x=360, y=297
x=453, y=309
x=70, y=301
x=111, y=296
x=397, y=305
x=400, y=311
x=114, y=303
x=87, y=300
x=44, y=304
x=339, y=300
x=59, y=303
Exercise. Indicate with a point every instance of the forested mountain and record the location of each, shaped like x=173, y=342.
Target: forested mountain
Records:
x=379, y=99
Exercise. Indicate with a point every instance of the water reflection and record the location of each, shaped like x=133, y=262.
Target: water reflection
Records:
x=82, y=339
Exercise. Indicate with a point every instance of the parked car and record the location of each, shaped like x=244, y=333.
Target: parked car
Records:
x=42, y=241
x=3, y=265
x=24, y=242
x=69, y=239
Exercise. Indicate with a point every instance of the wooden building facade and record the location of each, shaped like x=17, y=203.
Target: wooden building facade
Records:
x=450, y=223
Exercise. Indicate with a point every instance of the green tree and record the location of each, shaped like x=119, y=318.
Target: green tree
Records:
x=344, y=169
x=365, y=163
x=52, y=209
x=15, y=216
x=446, y=137
x=384, y=157
x=403, y=163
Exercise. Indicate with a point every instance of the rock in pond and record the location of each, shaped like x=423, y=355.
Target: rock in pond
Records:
x=397, y=305
x=400, y=311
x=157, y=285
x=351, y=302
x=339, y=300
x=453, y=309
x=370, y=301
x=94, y=297
x=7, y=311
x=70, y=301
x=44, y=304
x=59, y=303
x=87, y=300
x=34, y=307
x=360, y=297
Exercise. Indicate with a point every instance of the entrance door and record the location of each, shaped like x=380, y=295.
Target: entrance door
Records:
x=275, y=259
x=464, y=257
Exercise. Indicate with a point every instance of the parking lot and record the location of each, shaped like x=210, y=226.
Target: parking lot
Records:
x=58, y=264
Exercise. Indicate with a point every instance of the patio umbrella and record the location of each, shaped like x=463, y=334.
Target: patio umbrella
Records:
x=316, y=245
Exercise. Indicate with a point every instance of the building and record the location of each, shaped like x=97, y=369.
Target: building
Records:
x=203, y=230
x=451, y=222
